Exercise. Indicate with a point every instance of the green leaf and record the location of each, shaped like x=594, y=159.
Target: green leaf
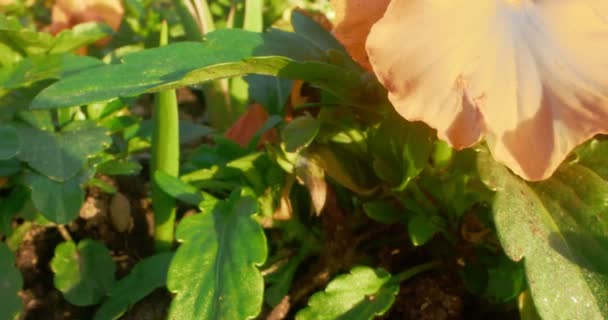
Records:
x=24, y=40
x=400, y=150
x=145, y=277
x=279, y=283
x=9, y=167
x=364, y=293
x=383, y=211
x=34, y=43
x=84, y=273
x=213, y=273
x=421, y=229
x=34, y=69
x=60, y=156
x=11, y=282
x=115, y=167
x=314, y=32
x=178, y=189
x=10, y=206
x=270, y=92
x=300, y=132
x=225, y=53
x=9, y=142
x=269, y=124
x=59, y=202
x=560, y=227
x=80, y=35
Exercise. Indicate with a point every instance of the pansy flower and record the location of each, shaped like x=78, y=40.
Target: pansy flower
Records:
x=530, y=77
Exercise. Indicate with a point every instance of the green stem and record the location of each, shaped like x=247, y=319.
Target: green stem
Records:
x=192, y=28
x=165, y=157
x=409, y=273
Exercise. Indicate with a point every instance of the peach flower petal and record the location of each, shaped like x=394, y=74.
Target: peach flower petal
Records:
x=354, y=19
x=528, y=76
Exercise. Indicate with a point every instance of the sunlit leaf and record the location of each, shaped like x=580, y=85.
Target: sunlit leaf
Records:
x=559, y=228
x=213, y=273
x=225, y=53
x=364, y=293
x=34, y=69
x=84, y=273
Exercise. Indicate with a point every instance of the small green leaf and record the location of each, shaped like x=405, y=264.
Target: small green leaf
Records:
x=560, y=227
x=59, y=202
x=382, y=211
x=299, y=133
x=80, y=35
x=213, y=273
x=116, y=167
x=9, y=142
x=84, y=273
x=11, y=282
x=147, y=275
x=364, y=293
x=60, y=156
x=178, y=189
x=400, y=150
x=35, y=43
x=506, y=280
x=421, y=229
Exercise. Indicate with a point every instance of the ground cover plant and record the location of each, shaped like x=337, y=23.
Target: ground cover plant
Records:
x=303, y=159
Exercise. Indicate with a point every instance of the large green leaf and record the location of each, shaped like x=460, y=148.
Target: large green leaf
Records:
x=34, y=69
x=10, y=282
x=9, y=142
x=225, y=53
x=362, y=294
x=59, y=202
x=560, y=227
x=84, y=273
x=213, y=273
x=147, y=275
x=61, y=155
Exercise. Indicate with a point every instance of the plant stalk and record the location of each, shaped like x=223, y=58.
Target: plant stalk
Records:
x=407, y=274
x=165, y=158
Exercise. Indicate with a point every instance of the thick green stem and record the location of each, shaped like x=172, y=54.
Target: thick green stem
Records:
x=165, y=157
